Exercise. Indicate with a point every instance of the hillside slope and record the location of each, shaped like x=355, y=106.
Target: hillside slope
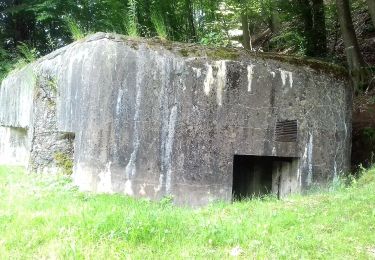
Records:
x=46, y=217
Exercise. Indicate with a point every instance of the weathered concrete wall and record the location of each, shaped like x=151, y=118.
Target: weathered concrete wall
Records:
x=149, y=121
x=16, y=98
x=14, y=146
x=50, y=148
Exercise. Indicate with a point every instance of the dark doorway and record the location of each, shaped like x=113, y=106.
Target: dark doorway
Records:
x=254, y=176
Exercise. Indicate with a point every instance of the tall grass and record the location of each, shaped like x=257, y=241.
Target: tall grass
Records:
x=131, y=23
x=45, y=217
x=75, y=29
x=25, y=55
x=159, y=24
x=6, y=63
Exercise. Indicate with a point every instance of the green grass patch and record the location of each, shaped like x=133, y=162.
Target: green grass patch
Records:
x=46, y=217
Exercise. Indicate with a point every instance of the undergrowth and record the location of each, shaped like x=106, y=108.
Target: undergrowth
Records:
x=11, y=62
x=46, y=217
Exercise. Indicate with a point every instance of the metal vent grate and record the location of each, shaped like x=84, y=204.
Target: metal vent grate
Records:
x=286, y=131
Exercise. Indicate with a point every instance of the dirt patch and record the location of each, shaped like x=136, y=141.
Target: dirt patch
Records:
x=363, y=149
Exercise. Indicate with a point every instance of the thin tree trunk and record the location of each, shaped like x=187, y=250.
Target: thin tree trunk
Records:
x=192, y=30
x=314, y=27
x=275, y=22
x=336, y=37
x=371, y=8
x=354, y=57
x=270, y=11
x=319, y=28
x=246, y=42
x=308, y=26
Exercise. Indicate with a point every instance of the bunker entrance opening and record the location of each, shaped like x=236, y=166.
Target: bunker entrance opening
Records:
x=254, y=176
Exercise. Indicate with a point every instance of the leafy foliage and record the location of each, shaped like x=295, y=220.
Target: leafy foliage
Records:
x=23, y=56
x=290, y=41
x=274, y=25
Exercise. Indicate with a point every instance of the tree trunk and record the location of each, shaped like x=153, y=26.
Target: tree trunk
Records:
x=193, y=34
x=314, y=27
x=319, y=28
x=354, y=57
x=269, y=10
x=261, y=37
x=275, y=22
x=371, y=8
x=246, y=41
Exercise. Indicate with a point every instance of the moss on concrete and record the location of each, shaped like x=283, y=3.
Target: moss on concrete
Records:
x=220, y=53
x=52, y=84
x=64, y=162
x=223, y=54
x=317, y=65
x=184, y=52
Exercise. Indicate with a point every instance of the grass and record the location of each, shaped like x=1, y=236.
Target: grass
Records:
x=159, y=24
x=131, y=22
x=76, y=31
x=47, y=218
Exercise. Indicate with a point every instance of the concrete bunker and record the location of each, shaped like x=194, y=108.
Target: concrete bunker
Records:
x=255, y=176
x=153, y=119
x=13, y=146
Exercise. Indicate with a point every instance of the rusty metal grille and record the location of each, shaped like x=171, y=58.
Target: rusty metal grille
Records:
x=286, y=131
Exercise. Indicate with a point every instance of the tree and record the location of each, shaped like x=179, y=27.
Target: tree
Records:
x=371, y=8
x=354, y=57
x=314, y=27
x=246, y=38
x=274, y=20
x=258, y=18
x=18, y=23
